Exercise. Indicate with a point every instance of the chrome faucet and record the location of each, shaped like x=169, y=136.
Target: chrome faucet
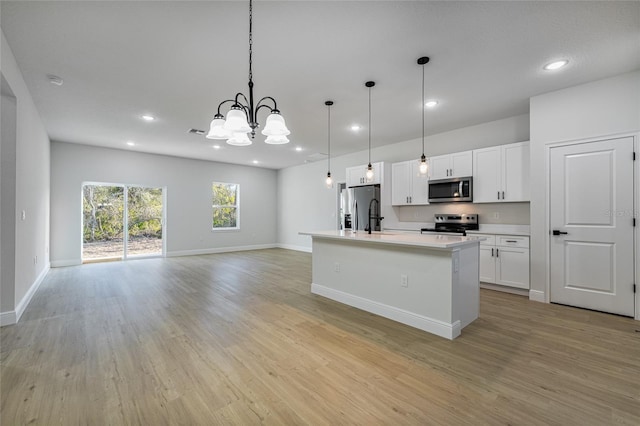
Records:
x=378, y=218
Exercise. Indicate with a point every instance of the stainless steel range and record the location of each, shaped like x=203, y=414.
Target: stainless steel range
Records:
x=453, y=224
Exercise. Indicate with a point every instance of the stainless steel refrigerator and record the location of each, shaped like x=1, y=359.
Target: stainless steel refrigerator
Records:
x=355, y=203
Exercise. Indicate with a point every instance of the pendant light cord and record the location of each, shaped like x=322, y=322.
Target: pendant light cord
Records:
x=369, y=125
x=423, y=106
x=329, y=138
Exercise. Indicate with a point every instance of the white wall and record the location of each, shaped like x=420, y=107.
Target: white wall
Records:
x=600, y=108
x=305, y=203
x=8, y=107
x=188, y=194
x=32, y=158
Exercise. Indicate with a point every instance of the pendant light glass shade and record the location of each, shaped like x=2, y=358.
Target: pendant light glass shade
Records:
x=275, y=126
x=424, y=167
x=217, y=130
x=276, y=140
x=329, y=180
x=369, y=173
x=237, y=121
x=239, y=139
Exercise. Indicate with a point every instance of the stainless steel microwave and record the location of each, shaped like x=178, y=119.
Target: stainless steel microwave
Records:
x=451, y=190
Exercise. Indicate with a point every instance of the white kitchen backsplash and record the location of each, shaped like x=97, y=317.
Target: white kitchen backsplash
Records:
x=488, y=213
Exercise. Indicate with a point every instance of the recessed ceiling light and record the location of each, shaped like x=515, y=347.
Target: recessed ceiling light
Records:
x=298, y=148
x=255, y=161
x=555, y=65
x=355, y=127
x=430, y=104
x=216, y=147
x=148, y=117
x=131, y=143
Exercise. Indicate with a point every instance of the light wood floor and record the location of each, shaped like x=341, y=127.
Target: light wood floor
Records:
x=238, y=339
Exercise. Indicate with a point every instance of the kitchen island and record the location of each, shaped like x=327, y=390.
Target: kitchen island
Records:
x=430, y=282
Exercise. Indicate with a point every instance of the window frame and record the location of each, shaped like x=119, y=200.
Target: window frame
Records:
x=236, y=206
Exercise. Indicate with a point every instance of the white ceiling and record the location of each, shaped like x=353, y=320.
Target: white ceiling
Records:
x=177, y=60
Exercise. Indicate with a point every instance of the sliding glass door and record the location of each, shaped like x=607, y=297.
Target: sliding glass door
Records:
x=144, y=221
x=121, y=221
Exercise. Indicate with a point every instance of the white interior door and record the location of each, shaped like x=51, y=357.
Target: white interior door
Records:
x=591, y=210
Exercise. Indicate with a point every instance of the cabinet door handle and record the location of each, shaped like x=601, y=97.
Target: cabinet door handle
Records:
x=510, y=241
x=498, y=195
x=411, y=200
x=492, y=252
x=497, y=252
x=503, y=195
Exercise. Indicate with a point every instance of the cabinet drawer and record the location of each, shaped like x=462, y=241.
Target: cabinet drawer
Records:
x=512, y=241
x=489, y=240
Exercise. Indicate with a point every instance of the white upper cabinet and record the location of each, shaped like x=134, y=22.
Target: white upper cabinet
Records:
x=408, y=185
x=459, y=164
x=356, y=176
x=501, y=173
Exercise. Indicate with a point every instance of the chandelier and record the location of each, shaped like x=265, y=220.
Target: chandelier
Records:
x=242, y=118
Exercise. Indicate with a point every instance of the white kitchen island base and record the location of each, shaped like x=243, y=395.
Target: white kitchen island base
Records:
x=427, y=282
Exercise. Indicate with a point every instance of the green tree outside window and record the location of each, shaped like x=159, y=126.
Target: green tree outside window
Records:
x=226, y=205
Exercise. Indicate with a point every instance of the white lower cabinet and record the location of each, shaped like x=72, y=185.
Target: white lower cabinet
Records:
x=504, y=260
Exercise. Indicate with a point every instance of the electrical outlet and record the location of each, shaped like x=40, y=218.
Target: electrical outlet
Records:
x=23, y=216
x=336, y=267
x=404, y=280
x=496, y=215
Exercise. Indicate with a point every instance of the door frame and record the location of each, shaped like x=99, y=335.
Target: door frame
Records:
x=125, y=236
x=636, y=206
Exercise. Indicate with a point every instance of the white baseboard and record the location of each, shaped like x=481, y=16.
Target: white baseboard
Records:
x=12, y=317
x=67, y=262
x=296, y=248
x=537, y=296
x=505, y=289
x=7, y=318
x=437, y=327
x=219, y=250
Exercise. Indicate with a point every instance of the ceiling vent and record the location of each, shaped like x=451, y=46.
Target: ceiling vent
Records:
x=196, y=131
x=316, y=157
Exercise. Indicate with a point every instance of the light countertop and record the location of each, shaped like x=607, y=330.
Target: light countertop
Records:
x=497, y=229
x=520, y=230
x=403, y=239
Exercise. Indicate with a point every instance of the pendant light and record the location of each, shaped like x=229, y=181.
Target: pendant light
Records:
x=423, y=159
x=329, y=181
x=369, y=173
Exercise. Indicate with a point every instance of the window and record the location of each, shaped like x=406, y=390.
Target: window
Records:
x=226, y=205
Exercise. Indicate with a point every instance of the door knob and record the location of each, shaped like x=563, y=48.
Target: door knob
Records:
x=557, y=232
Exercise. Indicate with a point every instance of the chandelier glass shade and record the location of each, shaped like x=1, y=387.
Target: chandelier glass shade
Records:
x=276, y=139
x=242, y=118
x=239, y=139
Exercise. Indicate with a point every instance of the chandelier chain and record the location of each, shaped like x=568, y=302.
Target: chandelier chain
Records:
x=250, y=40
